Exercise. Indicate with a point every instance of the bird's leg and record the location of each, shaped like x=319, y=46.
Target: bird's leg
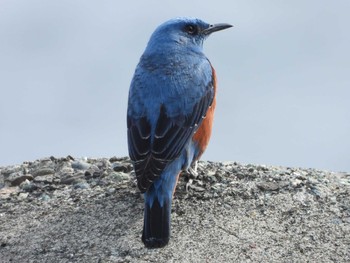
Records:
x=193, y=173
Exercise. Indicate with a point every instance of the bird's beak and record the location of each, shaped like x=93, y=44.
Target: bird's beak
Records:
x=216, y=27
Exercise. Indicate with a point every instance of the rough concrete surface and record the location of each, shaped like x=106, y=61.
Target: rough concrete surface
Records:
x=89, y=210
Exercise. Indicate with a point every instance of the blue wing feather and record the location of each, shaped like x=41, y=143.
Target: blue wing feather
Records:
x=164, y=111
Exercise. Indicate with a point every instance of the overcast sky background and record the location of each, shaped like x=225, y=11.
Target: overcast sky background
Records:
x=283, y=74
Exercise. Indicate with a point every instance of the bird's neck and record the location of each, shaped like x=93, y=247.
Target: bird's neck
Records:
x=171, y=55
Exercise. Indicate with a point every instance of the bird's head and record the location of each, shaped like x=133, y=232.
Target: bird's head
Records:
x=182, y=33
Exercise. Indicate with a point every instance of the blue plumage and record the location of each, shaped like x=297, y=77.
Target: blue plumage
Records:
x=170, y=93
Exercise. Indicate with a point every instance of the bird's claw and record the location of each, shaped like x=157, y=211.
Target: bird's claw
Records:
x=188, y=184
x=193, y=173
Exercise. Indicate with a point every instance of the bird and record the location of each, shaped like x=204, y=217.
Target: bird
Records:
x=170, y=114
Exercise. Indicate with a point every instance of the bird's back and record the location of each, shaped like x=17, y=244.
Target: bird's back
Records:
x=166, y=90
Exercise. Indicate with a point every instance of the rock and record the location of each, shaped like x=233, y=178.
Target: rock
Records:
x=65, y=171
x=296, y=182
x=28, y=186
x=111, y=190
x=232, y=212
x=103, y=164
x=80, y=165
x=10, y=169
x=196, y=188
x=48, y=178
x=81, y=185
x=44, y=197
x=23, y=196
x=6, y=192
x=119, y=176
x=43, y=171
x=15, y=179
x=268, y=186
x=120, y=159
x=72, y=179
x=122, y=167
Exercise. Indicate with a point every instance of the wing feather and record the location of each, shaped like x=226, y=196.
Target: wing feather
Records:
x=152, y=152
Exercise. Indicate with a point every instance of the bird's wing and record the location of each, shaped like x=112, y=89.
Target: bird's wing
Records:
x=153, y=144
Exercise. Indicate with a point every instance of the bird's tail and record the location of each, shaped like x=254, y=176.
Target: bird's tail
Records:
x=156, y=225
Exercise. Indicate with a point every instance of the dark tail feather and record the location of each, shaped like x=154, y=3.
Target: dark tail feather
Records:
x=156, y=224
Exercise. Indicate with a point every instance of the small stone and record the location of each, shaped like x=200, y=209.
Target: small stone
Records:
x=28, y=186
x=93, y=171
x=120, y=176
x=211, y=173
x=227, y=206
x=217, y=186
x=45, y=197
x=251, y=169
x=87, y=174
x=10, y=169
x=18, y=177
x=48, y=178
x=296, y=182
x=240, y=175
x=196, y=188
x=262, y=168
x=80, y=165
x=122, y=167
x=23, y=196
x=115, y=159
x=268, y=186
x=7, y=192
x=81, y=185
x=43, y=171
x=111, y=190
x=69, y=179
x=103, y=164
x=66, y=171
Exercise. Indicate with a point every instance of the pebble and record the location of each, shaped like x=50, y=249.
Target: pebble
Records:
x=65, y=171
x=23, y=195
x=120, y=176
x=48, y=178
x=17, y=178
x=10, y=169
x=196, y=188
x=43, y=171
x=80, y=165
x=45, y=197
x=28, y=186
x=268, y=186
x=122, y=167
x=81, y=185
x=111, y=190
x=72, y=179
x=6, y=192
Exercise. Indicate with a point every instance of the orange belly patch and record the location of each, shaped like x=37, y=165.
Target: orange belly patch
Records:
x=202, y=135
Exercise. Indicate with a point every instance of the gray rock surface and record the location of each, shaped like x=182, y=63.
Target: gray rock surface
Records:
x=89, y=210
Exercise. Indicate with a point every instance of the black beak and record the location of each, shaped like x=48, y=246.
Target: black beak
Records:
x=215, y=27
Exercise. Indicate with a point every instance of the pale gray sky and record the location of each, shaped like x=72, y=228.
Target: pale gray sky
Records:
x=283, y=71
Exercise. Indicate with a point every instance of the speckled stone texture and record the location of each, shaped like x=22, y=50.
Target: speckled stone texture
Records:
x=89, y=210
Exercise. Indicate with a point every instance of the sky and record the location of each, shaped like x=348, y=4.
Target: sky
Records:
x=283, y=78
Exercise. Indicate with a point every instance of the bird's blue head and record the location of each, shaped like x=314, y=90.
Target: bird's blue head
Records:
x=182, y=33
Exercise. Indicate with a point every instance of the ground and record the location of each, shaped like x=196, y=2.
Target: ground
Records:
x=90, y=210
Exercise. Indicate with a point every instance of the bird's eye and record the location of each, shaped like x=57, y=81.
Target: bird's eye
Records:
x=191, y=29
